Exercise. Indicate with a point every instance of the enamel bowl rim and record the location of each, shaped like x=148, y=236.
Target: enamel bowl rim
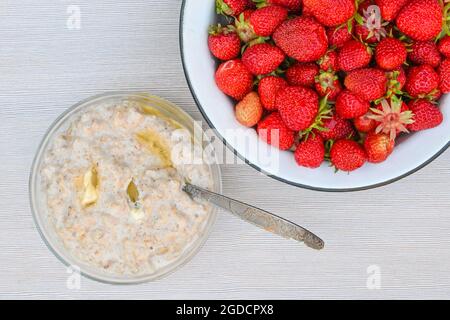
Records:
x=257, y=167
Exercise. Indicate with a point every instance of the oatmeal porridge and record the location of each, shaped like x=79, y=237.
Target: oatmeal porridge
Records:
x=112, y=184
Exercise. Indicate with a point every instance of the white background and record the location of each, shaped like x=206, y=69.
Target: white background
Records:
x=403, y=228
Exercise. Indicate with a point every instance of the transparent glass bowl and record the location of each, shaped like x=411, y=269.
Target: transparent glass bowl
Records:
x=167, y=109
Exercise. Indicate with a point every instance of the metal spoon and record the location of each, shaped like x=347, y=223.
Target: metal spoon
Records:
x=258, y=217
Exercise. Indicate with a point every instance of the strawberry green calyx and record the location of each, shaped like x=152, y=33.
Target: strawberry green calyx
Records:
x=434, y=96
x=445, y=23
x=431, y=97
x=327, y=84
x=244, y=29
x=329, y=61
x=392, y=120
x=291, y=5
x=275, y=73
x=260, y=3
x=219, y=29
x=258, y=40
x=325, y=112
x=328, y=146
x=394, y=86
x=223, y=8
x=326, y=80
x=215, y=29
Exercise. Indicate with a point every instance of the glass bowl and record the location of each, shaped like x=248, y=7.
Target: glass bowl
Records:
x=38, y=208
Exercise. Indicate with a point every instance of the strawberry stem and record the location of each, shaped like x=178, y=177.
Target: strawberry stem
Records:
x=445, y=23
x=260, y=3
x=244, y=29
x=325, y=111
x=223, y=8
x=328, y=146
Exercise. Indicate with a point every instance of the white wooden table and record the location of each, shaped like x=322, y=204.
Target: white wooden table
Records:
x=400, y=232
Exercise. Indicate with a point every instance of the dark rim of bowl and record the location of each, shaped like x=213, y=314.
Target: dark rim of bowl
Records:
x=385, y=183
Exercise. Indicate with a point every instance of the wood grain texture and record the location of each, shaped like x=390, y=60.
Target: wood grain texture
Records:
x=403, y=228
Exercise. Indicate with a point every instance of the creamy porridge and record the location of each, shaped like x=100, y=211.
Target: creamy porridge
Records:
x=112, y=185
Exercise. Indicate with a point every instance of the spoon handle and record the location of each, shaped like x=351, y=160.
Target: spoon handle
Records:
x=258, y=217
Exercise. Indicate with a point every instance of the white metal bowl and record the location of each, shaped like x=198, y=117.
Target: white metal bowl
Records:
x=412, y=153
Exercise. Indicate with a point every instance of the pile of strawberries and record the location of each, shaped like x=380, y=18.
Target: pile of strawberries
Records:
x=334, y=80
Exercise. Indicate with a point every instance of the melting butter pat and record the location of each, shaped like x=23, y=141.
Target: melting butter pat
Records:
x=90, y=188
x=153, y=142
x=137, y=213
x=145, y=109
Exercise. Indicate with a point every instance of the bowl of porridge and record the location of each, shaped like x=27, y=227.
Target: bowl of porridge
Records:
x=106, y=187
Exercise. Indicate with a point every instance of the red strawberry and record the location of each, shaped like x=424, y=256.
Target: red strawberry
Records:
x=327, y=83
x=231, y=7
x=350, y=106
x=329, y=61
x=396, y=82
x=390, y=8
x=364, y=124
x=444, y=46
x=331, y=13
x=347, y=155
x=245, y=15
x=369, y=84
x=234, y=79
x=292, y=5
x=421, y=81
x=267, y=19
x=262, y=22
x=390, y=54
x=302, y=74
x=273, y=131
x=249, y=111
x=268, y=89
x=310, y=153
x=444, y=75
x=335, y=128
x=262, y=58
x=426, y=115
x=391, y=118
x=421, y=19
x=378, y=147
x=298, y=107
x=223, y=43
x=302, y=38
x=306, y=12
x=353, y=55
x=425, y=52
x=338, y=36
